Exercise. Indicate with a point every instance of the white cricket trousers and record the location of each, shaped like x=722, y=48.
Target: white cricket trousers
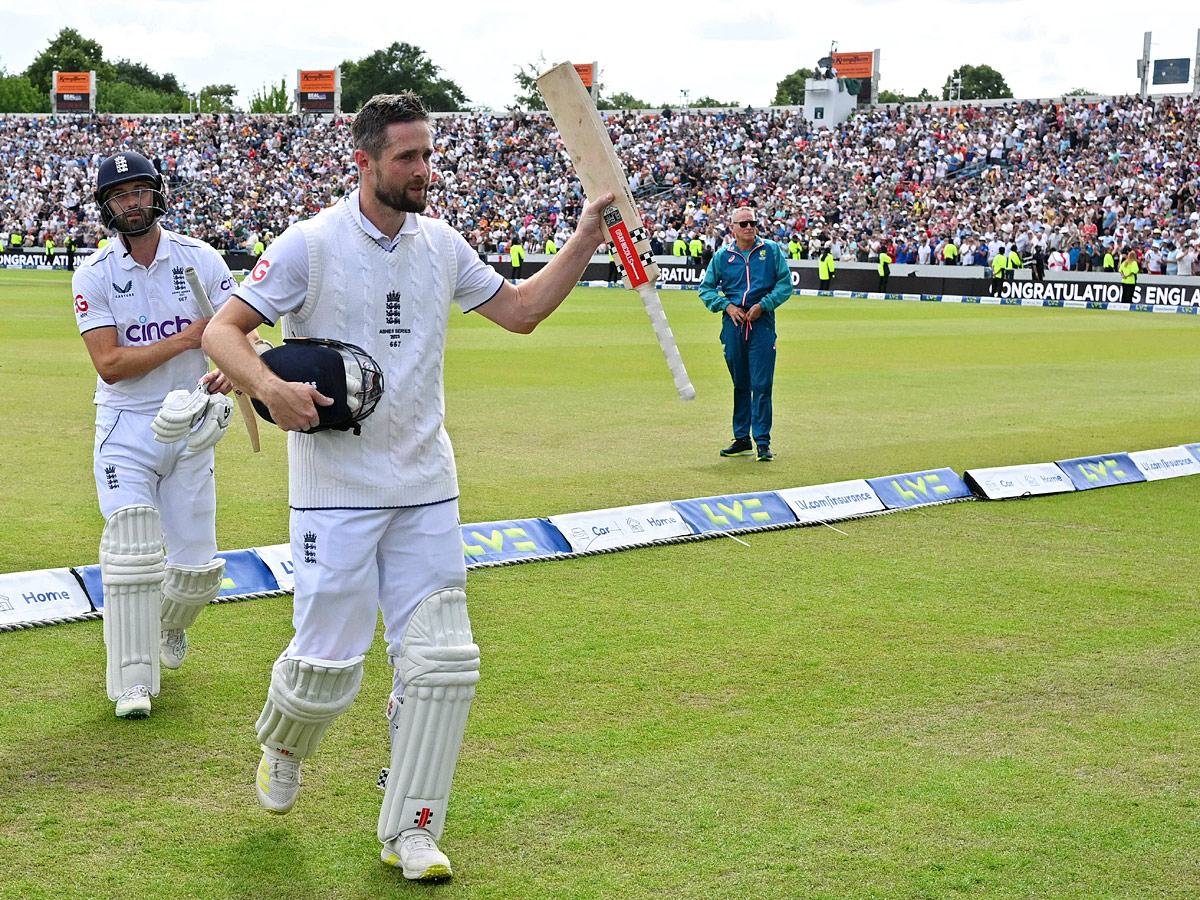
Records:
x=131, y=467
x=352, y=564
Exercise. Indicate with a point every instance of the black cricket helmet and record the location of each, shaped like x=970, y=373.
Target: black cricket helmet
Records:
x=343, y=372
x=123, y=168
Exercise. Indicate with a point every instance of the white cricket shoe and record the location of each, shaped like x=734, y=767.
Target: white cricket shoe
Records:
x=417, y=855
x=134, y=703
x=172, y=648
x=278, y=781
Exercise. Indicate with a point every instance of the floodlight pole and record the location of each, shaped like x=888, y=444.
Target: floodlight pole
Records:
x=1144, y=65
x=1196, y=68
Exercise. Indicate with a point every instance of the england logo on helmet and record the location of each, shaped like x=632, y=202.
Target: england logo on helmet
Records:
x=117, y=180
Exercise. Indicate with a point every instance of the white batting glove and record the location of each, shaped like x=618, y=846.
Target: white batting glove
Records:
x=213, y=423
x=353, y=386
x=180, y=413
x=262, y=345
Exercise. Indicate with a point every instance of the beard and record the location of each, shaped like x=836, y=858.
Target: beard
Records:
x=134, y=222
x=401, y=200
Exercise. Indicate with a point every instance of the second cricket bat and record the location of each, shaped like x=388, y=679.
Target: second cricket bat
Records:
x=600, y=172
x=243, y=402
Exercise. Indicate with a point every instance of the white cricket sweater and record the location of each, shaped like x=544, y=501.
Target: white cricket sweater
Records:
x=396, y=307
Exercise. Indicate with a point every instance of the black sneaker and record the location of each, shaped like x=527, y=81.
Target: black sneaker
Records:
x=764, y=453
x=738, y=447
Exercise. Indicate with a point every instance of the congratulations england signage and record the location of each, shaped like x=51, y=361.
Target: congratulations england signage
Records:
x=1094, y=292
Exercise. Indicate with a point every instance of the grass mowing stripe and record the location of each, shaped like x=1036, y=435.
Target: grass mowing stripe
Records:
x=988, y=699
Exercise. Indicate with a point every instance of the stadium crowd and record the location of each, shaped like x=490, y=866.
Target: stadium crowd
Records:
x=1063, y=181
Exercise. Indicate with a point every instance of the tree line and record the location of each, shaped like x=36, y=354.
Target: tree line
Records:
x=125, y=86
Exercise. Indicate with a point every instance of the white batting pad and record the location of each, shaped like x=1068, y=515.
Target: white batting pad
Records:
x=187, y=590
x=306, y=695
x=438, y=667
x=131, y=569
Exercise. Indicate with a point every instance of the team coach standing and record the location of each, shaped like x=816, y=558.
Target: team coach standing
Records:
x=745, y=282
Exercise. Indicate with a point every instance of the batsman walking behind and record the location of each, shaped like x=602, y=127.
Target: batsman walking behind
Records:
x=153, y=458
x=374, y=521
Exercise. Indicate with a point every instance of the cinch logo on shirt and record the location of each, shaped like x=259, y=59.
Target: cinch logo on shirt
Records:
x=143, y=330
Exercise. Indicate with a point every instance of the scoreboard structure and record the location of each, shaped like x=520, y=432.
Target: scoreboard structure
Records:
x=319, y=91
x=587, y=74
x=73, y=92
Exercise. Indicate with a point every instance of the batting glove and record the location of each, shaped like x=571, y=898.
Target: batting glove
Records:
x=213, y=423
x=180, y=413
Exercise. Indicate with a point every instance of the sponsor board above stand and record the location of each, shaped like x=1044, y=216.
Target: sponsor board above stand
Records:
x=734, y=512
x=42, y=596
x=1166, y=462
x=831, y=502
x=490, y=542
x=919, y=488
x=1007, y=482
x=622, y=526
x=1087, y=472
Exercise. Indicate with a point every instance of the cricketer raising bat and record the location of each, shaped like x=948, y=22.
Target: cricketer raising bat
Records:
x=206, y=307
x=600, y=172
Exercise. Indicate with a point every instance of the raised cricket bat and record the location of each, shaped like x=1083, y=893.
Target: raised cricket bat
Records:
x=600, y=172
x=243, y=402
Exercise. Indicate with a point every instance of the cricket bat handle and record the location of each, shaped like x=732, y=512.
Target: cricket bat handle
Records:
x=666, y=340
x=243, y=402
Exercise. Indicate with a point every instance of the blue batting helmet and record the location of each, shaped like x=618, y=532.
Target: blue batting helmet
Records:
x=343, y=372
x=121, y=168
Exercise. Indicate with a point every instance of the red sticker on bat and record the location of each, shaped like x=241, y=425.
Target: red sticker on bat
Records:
x=634, y=269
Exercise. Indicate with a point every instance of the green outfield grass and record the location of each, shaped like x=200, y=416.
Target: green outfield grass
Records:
x=976, y=700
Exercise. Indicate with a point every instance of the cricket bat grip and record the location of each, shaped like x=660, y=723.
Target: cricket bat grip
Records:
x=198, y=291
x=243, y=402
x=666, y=340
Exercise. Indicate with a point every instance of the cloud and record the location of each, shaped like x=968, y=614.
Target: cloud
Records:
x=752, y=27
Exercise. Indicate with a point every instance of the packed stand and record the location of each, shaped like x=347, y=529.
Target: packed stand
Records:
x=1062, y=183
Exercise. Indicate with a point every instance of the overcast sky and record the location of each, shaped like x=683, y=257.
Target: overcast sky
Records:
x=732, y=51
